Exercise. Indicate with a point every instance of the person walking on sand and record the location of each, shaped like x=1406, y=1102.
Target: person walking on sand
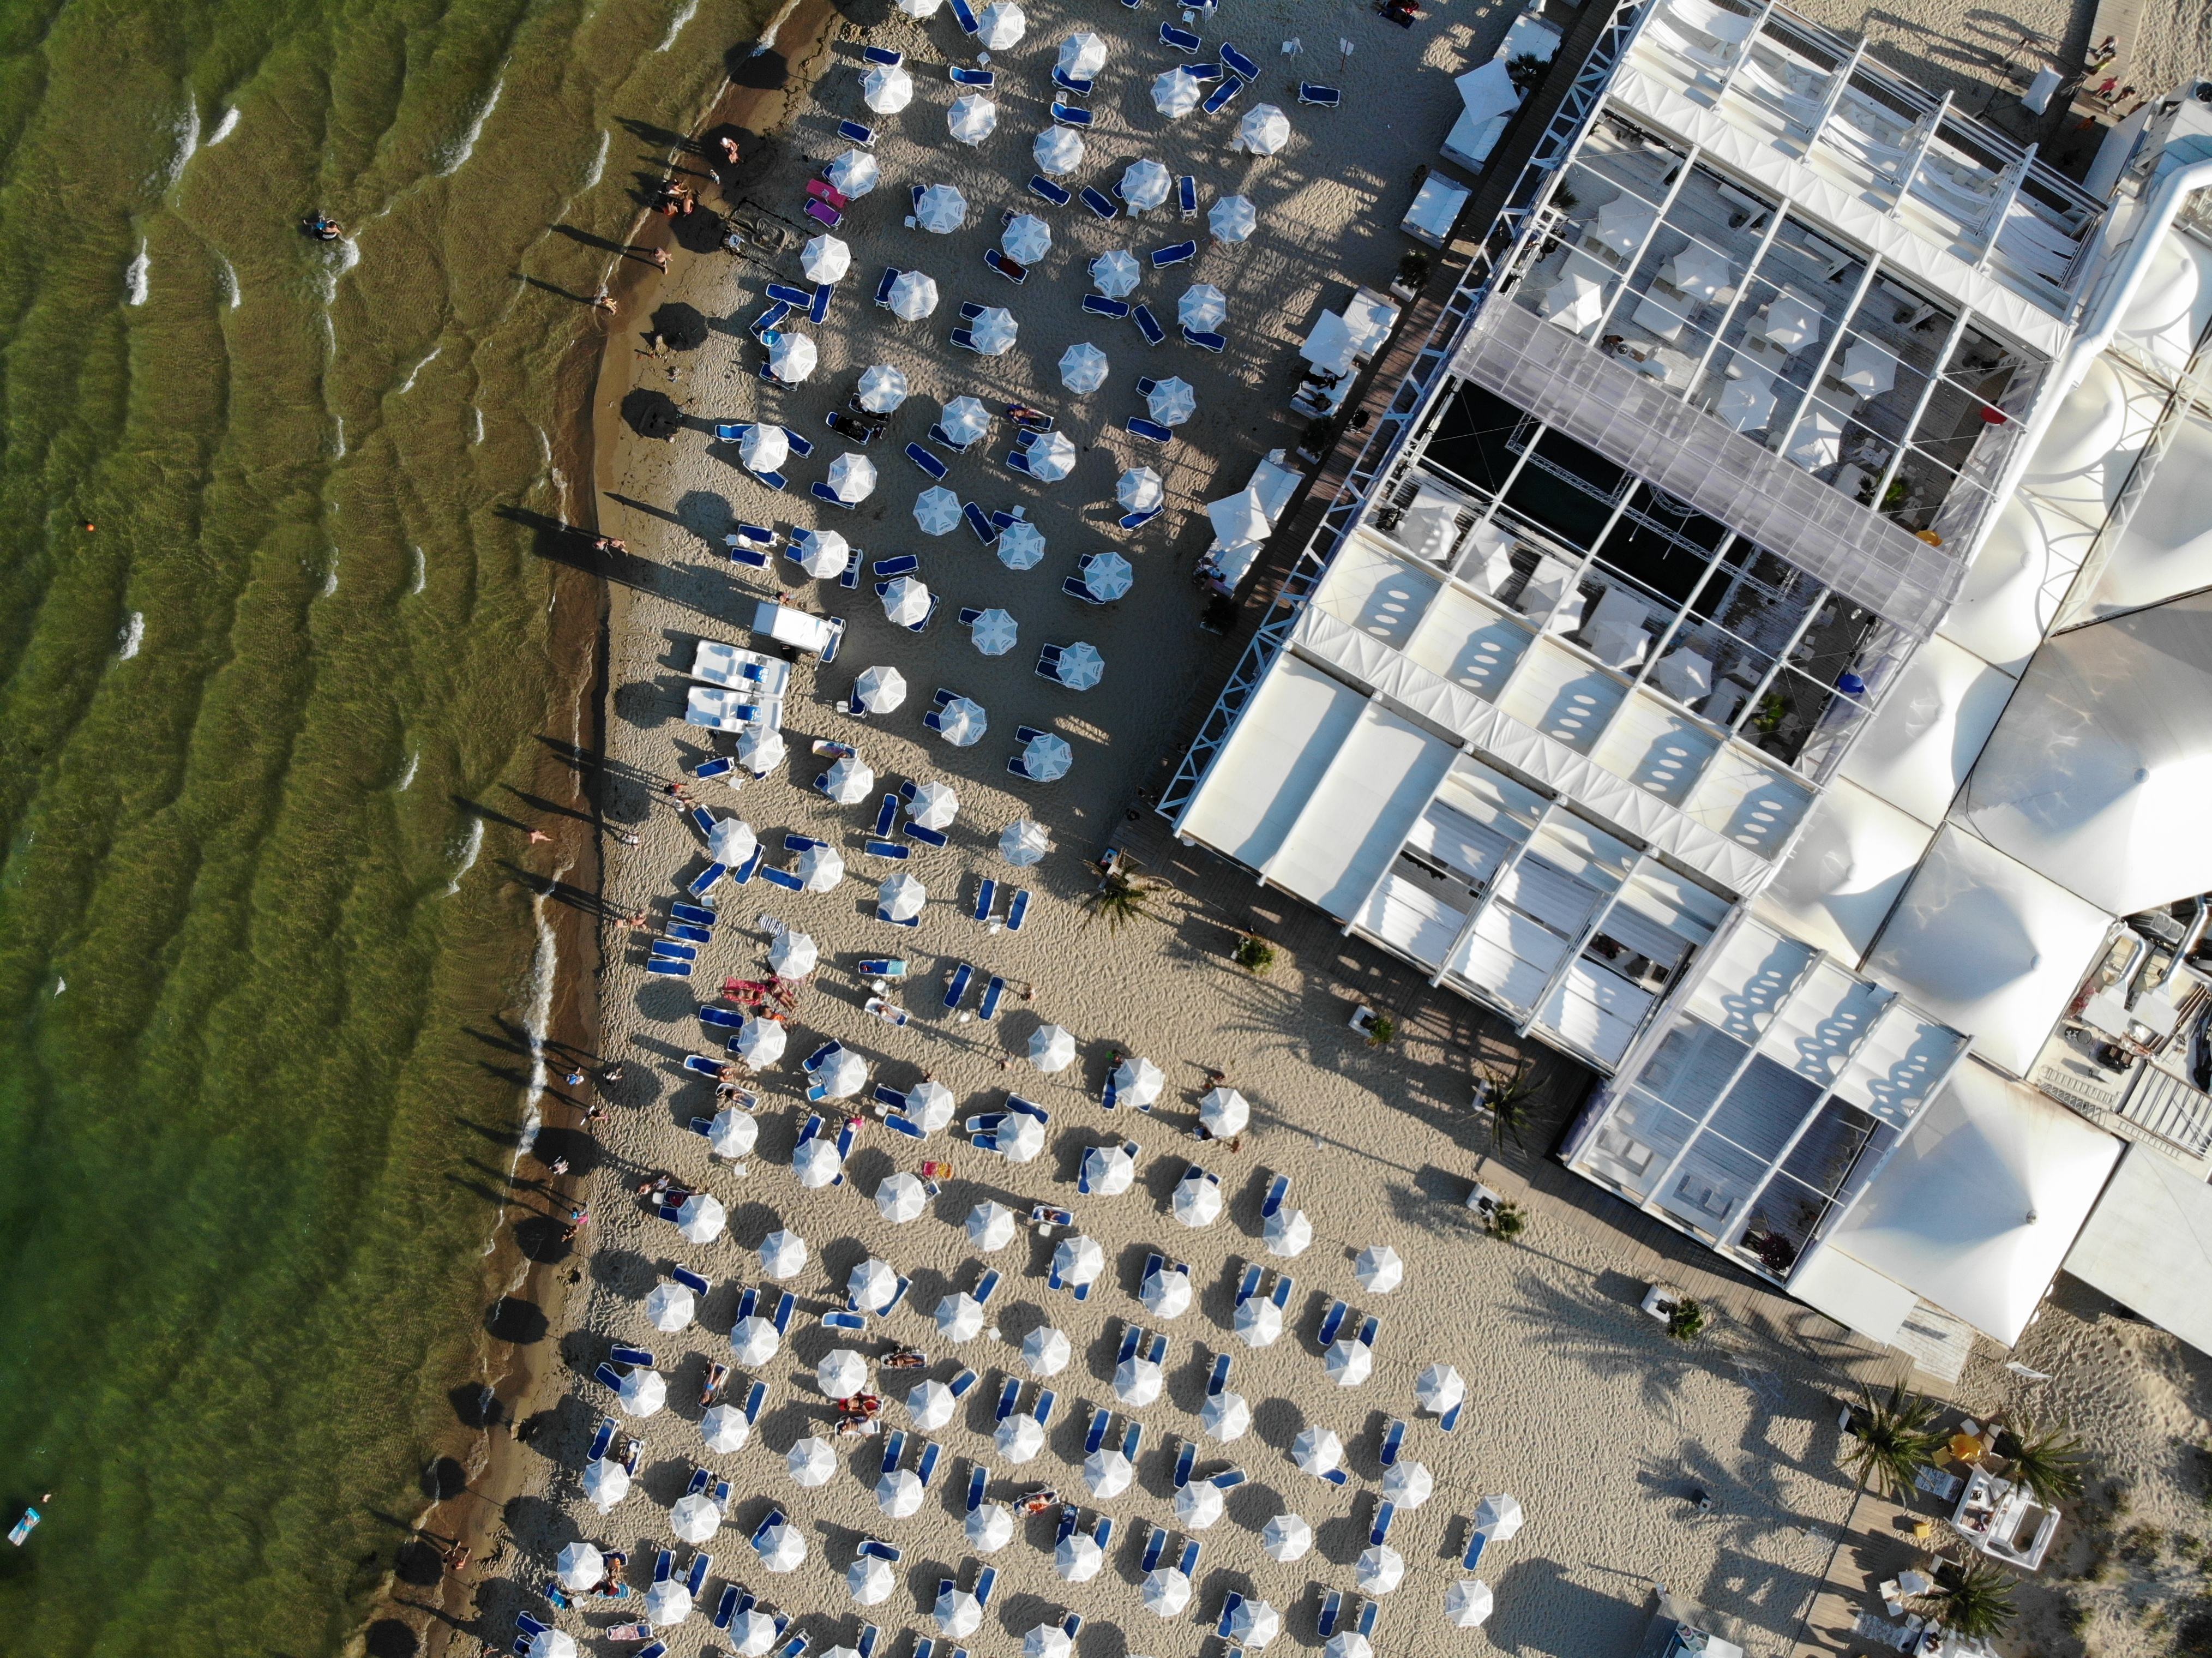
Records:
x=659, y=257
x=537, y=834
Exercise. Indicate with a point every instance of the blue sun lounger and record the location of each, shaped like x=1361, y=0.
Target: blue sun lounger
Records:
x=1187, y=195
x=929, y=463
x=1332, y=1321
x=979, y=1481
x=1379, y=1533
x=1150, y=430
x=1043, y=188
x=721, y=765
x=986, y=532
x=1449, y=1420
x=853, y=132
x=727, y=1611
x=1155, y=1544
x=989, y=1007
x=1322, y=97
x=693, y=914
x=689, y=934
x=728, y=1017
x=1393, y=1438
x=986, y=896
x=704, y=879
x=1220, y=98
x=964, y=15
x=1097, y=204
x=1071, y=115
x=1218, y=1378
x=601, y=1440
x=765, y=323
x=789, y=295
x=891, y=274
x=702, y=1064
x=1206, y=339
x=1238, y=62
x=883, y=55
x=1276, y=1193
x=981, y=79
x=963, y=976
x=1148, y=324
x=1332, y=1608
x=1174, y=253
x=1180, y=39
x=1067, y=82
x=1018, y=911
x=667, y=968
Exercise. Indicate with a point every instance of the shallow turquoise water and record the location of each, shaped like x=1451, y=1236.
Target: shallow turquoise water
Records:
x=247, y=923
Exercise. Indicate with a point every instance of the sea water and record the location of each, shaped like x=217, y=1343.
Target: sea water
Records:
x=271, y=980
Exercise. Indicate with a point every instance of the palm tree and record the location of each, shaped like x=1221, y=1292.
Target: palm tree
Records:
x=1118, y=898
x=2049, y=1463
x=1976, y=1601
x=1509, y=1094
x=1894, y=1439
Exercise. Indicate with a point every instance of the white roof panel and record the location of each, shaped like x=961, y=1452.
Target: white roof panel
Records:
x=1933, y=718
x=1846, y=872
x=1280, y=747
x=1360, y=811
x=2012, y=589
x=2149, y=1245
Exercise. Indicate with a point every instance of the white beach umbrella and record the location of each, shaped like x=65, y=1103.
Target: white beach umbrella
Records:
x=1166, y=1591
x=920, y=8
x=1231, y=219
x=1137, y=1080
x=1196, y=1201
x=913, y=295
x=1048, y=1641
x=1254, y=1623
x=1024, y=842
x=1051, y=1048
x=666, y=1604
x=1175, y=94
x=733, y=1133
x=1286, y=1538
x=1223, y=1112
x=991, y=1528
x=1056, y=151
x=1019, y=1438
x=853, y=174
x=870, y=1579
x=753, y=1633
x=699, y=1218
x=1145, y=184
x=1316, y=1451
x=1108, y=1170
x=1076, y=1259
x=755, y=1340
x=1139, y=489
x=1199, y=1505
x=1263, y=131
x=724, y=1428
x=551, y=1643
x=820, y=868
x=1348, y=1643
x=669, y=1307
x=783, y=1256
x=1021, y=1140
x=901, y=1198
x=1026, y=240
x=993, y=633
x=1379, y=1268
x=1021, y=546
x=581, y=1566
x=879, y=689
x=1081, y=666
x=1078, y=1558
x=962, y=721
x=1258, y=1322
x=929, y=1105
x=1051, y=457
x=1172, y=401
x=1046, y=1351
x=1226, y=1416
x=906, y=602
x=841, y=1373
x=1000, y=26
x=965, y=420
x=1240, y=519
x=1165, y=1293
x=823, y=553
x=1408, y=1484
x=825, y=258
x=763, y=447
x=887, y=89
x=843, y=1074
x=1046, y=758
x=606, y=1482
x=933, y=805
x=957, y=1612
x=1288, y=1232
x=937, y=510
x=883, y=388
x=1380, y=1569
x=852, y=477
x=793, y=955
x=1115, y=273
x=1083, y=367
x=818, y=1164
x=1082, y=56
x=1498, y=1517
x=995, y=332
x=782, y=1547
x=731, y=842
x=1467, y=1602
x=695, y=1518
x=898, y=1494
x=973, y=119
x=642, y=1392
x=1201, y=306
x=941, y=208
x=1107, y=1473
x=1138, y=1382
x=990, y=1226
x=901, y=897
x=931, y=1405
x=959, y=1317
x=760, y=1042
x=791, y=358
x=1439, y=1388
x=1348, y=1361
x=810, y=1462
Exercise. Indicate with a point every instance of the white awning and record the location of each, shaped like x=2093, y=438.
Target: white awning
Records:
x=1283, y=742
x=2149, y=1245
x=1488, y=90
x=1935, y=716
x=1846, y=872
x=1360, y=811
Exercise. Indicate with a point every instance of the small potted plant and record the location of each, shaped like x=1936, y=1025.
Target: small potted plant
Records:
x=1412, y=274
x=1687, y=1321
x=1254, y=953
x=1506, y=1220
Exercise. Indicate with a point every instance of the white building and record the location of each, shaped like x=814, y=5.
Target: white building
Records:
x=1765, y=653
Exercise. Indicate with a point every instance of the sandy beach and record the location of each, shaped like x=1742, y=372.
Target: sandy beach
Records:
x=1579, y=1405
